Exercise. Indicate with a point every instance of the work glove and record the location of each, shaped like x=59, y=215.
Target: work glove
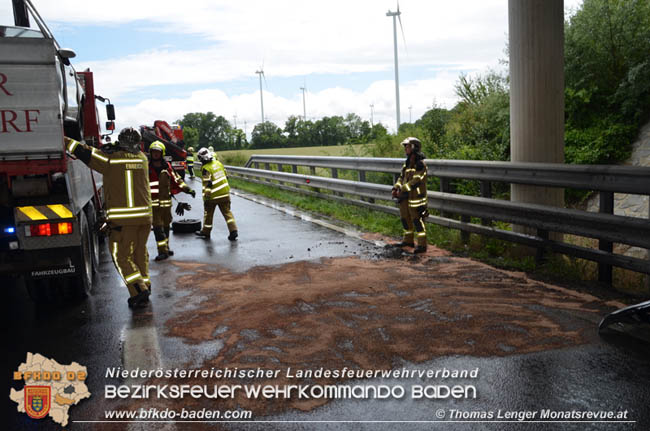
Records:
x=182, y=207
x=193, y=193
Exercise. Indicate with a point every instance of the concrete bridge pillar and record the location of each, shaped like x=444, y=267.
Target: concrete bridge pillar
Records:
x=536, y=32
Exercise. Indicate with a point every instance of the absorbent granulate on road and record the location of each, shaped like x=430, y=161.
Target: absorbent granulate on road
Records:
x=372, y=314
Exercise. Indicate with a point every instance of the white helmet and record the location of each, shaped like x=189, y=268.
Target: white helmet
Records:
x=204, y=155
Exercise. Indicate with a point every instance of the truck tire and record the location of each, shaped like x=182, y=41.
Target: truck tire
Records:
x=94, y=236
x=82, y=284
x=186, y=225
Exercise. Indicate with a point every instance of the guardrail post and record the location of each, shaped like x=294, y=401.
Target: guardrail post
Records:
x=335, y=174
x=294, y=170
x=464, y=235
x=486, y=192
x=280, y=169
x=606, y=206
x=256, y=164
x=312, y=171
x=362, y=178
x=541, y=251
x=445, y=187
x=267, y=166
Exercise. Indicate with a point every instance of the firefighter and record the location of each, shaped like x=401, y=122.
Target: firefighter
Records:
x=128, y=207
x=411, y=193
x=164, y=182
x=190, y=161
x=216, y=192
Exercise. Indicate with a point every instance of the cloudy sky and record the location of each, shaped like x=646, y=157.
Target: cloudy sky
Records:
x=161, y=59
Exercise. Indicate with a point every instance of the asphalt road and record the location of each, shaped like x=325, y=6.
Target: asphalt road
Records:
x=608, y=374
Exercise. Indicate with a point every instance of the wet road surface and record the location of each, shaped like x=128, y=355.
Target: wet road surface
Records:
x=576, y=370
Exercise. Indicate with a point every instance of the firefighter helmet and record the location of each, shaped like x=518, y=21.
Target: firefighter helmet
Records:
x=211, y=148
x=157, y=146
x=129, y=140
x=190, y=150
x=204, y=155
x=414, y=142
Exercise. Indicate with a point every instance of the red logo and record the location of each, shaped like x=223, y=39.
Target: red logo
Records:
x=37, y=401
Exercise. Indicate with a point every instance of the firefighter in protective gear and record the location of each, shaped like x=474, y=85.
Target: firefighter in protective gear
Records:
x=216, y=193
x=411, y=193
x=190, y=161
x=128, y=203
x=164, y=183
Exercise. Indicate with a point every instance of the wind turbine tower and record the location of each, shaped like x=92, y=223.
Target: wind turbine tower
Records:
x=372, y=112
x=396, y=14
x=261, y=74
x=304, y=106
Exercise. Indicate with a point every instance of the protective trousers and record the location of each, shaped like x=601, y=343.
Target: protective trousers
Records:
x=413, y=223
x=128, y=246
x=162, y=218
x=208, y=214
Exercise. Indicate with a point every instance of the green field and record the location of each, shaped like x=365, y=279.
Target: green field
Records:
x=334, y=150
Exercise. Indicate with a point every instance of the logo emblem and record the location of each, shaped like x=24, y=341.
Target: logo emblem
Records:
x=37, y=401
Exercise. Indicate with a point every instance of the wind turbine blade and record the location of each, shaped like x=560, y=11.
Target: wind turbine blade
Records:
x=264, y=76
x=399, y=18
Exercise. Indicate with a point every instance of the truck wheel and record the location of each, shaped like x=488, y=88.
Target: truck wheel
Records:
x=94, y=236
x=82, y=284
x=186, y=225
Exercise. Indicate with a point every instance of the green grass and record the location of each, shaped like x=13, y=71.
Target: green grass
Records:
x=240, y=157
x=502, y=254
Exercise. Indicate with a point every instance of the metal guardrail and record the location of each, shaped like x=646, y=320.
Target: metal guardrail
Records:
x=604, y=226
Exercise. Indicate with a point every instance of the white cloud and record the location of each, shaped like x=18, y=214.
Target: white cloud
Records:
x=293, y=38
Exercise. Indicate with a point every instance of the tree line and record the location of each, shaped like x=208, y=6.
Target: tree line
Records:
x=208, y=129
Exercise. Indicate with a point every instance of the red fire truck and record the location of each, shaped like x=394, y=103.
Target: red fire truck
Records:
x=49, y=202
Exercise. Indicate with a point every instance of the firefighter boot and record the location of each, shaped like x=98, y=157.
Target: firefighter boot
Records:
x=202, y=234
x=233, y=235
x=161, y=256
x=420, y=249
x=140, y=300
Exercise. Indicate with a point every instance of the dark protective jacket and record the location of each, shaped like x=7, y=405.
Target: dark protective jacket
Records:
x=413, y=180
x=164, y=183
x=126, y=182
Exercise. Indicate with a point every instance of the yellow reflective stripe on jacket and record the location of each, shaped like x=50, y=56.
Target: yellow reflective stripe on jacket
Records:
x=125, y=216
x=123, y=210
x=121, y=161
x=96, y=154
x=214, y=189
x=72, y=145
x=129, y=187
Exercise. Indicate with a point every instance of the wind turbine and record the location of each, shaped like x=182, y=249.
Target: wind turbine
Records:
x=261, y=74
x=372, y=106
x=396, y=14
x=304, y=106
